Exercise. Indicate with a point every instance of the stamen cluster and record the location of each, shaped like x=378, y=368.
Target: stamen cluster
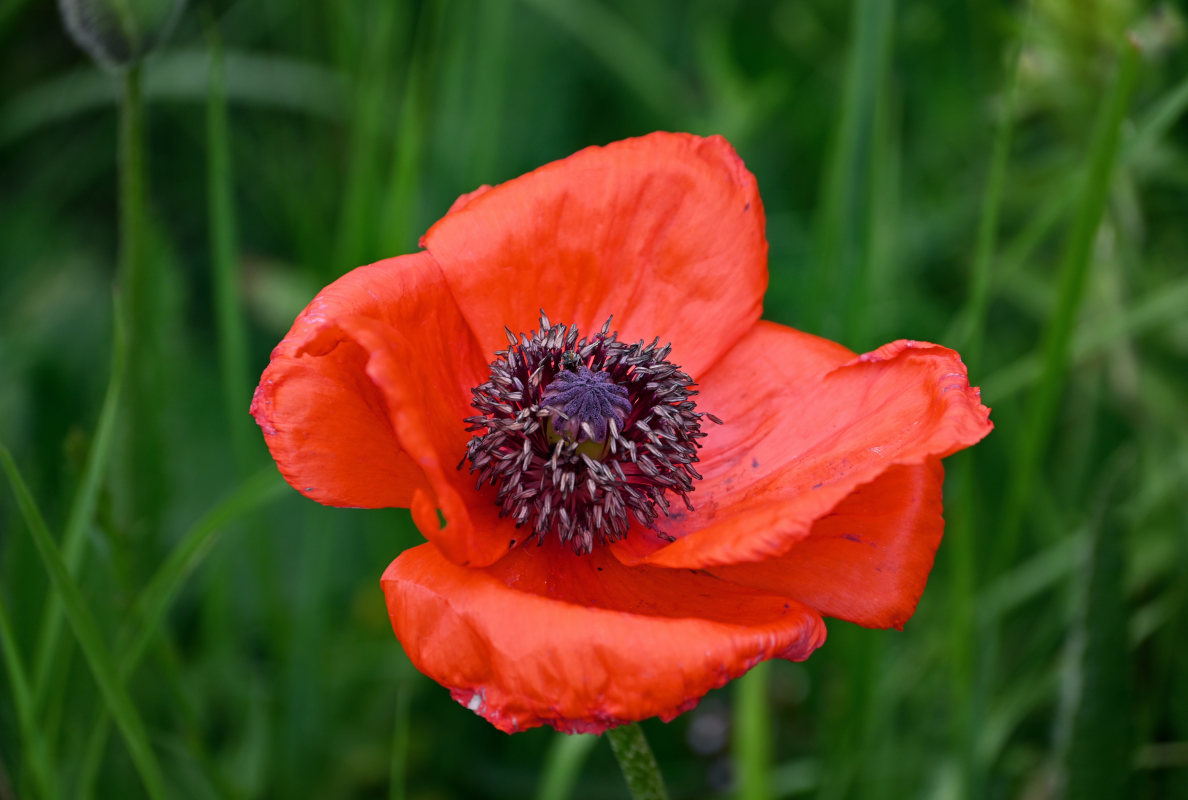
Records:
x=581, y=435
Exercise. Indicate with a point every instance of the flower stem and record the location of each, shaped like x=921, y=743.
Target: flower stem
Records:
x=637, y=762
x=133, y=289
x=132, y=223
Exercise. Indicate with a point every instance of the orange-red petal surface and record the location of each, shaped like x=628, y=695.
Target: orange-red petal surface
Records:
x=821, y=492
x=363, y=402
x=664, y=232
x=430, y=423
x=583, y=643
x=868, y=560
x=324, y=420
x=796, y=442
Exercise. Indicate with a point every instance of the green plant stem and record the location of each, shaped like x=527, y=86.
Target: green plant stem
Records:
x=132, y=211
x=1074, y=275
x=637, y=762
x=143, y=484
x=752, y=727
x=89, y=637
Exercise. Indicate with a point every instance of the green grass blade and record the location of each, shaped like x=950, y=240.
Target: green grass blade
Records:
x=258, y=81
x=1098, y=719
x=154, y=601
x=961, y=537
x=49, y=638
x=1074, y=275
x=843, y=193
x=1161, y=308
x=92, y=758
x=357, y=240
x=89, y=637
x=22, y=697
x=752, y=731
x=867, y=321
x=488, y=96
x=626, y=53
x=960, y=556
x=1155, y=124
x=984, y=249
x=398, y=768
x=232, y=334
x=1029, y=579
x=408, y=154
x=563, y=765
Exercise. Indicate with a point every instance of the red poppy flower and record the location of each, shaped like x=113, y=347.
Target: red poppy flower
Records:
x=623, y=553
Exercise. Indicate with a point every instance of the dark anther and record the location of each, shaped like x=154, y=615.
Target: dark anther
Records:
x=582, y=437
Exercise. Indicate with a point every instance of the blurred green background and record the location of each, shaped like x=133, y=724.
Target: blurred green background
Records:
x=1010, y=179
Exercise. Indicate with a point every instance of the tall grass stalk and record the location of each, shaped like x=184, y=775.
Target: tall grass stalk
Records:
x=50, y=662
x=844, y=204
x=135, y=296
x=150, y=608
x=1074, y=273
x=89, y=637
x=36, y=744
x=358, y=235
x=962, y=528
x=985, y=247
x=220, y=195
x=399, y=195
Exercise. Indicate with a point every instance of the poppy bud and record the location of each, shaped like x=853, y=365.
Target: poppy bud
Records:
x=118, y=33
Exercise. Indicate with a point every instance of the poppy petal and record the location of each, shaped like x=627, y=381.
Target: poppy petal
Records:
x=360, y=408
x=583, y=643
x=664, y=232
x=868, y=560
x=432, y=429
x=795, y=444
x=325, y=422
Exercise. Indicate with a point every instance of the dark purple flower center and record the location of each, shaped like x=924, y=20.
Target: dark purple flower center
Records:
x=581, y=436
x=587, y=401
